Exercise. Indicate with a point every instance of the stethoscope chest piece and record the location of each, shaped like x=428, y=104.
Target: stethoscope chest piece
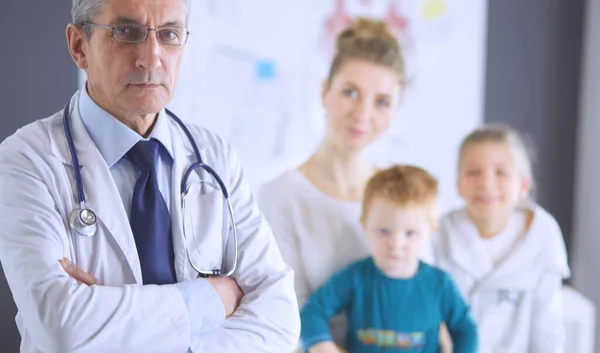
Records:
x=83, y=221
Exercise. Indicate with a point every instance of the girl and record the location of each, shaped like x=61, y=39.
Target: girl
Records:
x=505, y=252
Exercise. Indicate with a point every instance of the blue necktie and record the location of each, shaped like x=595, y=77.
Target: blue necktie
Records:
x=150, y=219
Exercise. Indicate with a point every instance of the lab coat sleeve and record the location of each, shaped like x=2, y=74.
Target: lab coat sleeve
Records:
x=267, y=319
x=275, y=204
x=58, y=314
x=547, y=331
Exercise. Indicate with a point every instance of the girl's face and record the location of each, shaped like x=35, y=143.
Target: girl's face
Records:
x=490, y=181
x=359, y=102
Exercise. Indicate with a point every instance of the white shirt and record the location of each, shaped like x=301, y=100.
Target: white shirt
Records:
x=114, y=139
x=502, y=244
x=316, y=234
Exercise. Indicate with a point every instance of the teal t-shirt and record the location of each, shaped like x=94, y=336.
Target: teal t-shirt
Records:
x=389, y=314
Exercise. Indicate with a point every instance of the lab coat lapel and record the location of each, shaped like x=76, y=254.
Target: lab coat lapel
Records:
x=182, y=159
x=101, y=193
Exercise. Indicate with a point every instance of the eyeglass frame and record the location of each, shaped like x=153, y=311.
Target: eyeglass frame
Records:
x=185, y=33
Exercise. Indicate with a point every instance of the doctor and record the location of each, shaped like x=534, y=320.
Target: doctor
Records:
x=99, y=250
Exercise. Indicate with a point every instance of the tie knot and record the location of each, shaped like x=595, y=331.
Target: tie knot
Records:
x=144, y=155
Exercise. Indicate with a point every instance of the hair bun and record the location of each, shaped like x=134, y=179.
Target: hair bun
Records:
x=364, y=30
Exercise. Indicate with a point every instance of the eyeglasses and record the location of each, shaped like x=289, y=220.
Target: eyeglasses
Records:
x=137, y=33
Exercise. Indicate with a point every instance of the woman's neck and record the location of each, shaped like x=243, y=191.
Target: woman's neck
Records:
x=339, y=174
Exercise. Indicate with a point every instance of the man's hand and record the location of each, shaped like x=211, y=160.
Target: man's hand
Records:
x=76, y=273
x=226, y=287
x=229, y=291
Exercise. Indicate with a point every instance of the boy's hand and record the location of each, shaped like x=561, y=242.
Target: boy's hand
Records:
x=340, y=349
x=326, y=347
x=445, y=339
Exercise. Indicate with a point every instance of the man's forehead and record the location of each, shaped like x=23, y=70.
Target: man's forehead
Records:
x=149, y=12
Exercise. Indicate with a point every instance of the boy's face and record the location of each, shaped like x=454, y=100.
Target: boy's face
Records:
x=396, y=235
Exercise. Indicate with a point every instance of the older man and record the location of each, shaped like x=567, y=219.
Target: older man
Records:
x=101, y=249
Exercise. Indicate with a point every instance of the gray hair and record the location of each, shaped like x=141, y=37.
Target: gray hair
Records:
x=83, y=11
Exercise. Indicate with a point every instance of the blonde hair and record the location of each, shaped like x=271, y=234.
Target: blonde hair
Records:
x=515, y=141
x=405, y=185
x=371, y=40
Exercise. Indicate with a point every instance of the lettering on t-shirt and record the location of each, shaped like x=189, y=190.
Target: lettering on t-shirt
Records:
x=391, y=339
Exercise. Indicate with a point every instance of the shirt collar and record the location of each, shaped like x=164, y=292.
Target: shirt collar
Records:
x=113, y=138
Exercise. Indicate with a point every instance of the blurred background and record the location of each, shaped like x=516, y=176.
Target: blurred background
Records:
x=253, y=72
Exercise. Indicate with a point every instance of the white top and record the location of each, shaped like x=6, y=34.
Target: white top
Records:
x=516, y=304
x=502, y=244
x=317, y=234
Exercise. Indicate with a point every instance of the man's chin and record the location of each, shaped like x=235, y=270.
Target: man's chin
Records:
x=146, y=105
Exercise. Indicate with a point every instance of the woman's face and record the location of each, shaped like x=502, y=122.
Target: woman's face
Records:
x=359, y=102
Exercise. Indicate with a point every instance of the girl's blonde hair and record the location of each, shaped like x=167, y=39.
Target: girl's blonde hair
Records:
x=517, y=143
x=371, y=40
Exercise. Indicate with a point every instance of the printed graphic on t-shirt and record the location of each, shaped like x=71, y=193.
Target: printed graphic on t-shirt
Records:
x=391, y=339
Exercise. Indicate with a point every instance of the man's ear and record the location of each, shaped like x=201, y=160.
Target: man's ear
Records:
x=76, y=38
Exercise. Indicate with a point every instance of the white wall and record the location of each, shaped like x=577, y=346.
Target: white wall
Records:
x=274, y=117
x=586, y=230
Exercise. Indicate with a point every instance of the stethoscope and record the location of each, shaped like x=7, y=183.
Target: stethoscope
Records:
x=84, y=221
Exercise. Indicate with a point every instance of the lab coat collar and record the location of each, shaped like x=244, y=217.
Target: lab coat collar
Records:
x=85, y=114
x=183, y=157
x=102, y=195
x=81, y=139
x=105, y=200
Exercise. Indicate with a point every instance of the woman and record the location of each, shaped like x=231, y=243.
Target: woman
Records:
x=314, y=210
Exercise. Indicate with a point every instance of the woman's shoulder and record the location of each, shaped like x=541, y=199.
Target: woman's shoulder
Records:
x=284, y=182
x=286, y=191
x=287, y=185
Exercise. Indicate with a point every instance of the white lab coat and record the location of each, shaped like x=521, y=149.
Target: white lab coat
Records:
x=37, y=193
x=516, y=305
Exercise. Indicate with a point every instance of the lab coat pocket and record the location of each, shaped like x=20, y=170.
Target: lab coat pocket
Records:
x=203, y=227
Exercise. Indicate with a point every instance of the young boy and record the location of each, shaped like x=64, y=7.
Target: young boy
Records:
x=394, y=302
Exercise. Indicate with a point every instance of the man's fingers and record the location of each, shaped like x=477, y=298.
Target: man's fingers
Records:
x=78, y=274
